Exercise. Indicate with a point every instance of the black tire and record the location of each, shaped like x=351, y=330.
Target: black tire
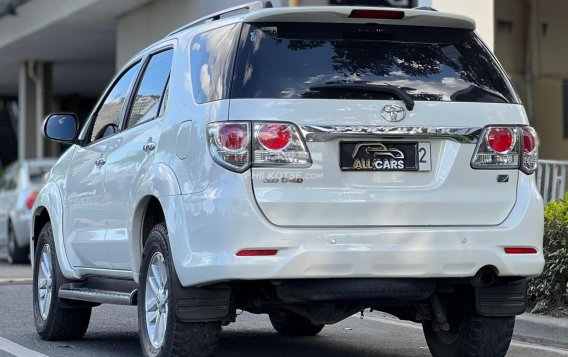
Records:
x=61, y=323
x=472, y=335
x=191, y=339
x=16, y=254
x=293, y=325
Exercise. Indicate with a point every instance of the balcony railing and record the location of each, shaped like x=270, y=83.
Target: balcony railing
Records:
x=551, y=179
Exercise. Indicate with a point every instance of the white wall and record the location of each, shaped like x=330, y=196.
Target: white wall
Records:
x=146, y=24
x=480, y=10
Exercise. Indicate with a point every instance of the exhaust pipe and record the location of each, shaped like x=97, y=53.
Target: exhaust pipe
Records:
x=484, y=277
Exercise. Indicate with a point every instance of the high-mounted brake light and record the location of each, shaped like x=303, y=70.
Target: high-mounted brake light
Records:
x=377, y=14
x=239, y=145
x=507, y=147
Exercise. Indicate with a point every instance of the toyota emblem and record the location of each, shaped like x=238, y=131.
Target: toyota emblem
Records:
x=393, y=112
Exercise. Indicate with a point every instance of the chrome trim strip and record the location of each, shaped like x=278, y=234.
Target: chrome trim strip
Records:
x=320, y=133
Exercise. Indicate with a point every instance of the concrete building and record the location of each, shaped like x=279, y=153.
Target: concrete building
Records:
x=61, y=54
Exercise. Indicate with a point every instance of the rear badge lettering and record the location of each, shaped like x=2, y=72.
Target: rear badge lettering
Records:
x=283, y=180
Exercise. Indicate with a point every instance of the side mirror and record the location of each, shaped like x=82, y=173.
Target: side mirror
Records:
x=107, y=130
x=62, y=127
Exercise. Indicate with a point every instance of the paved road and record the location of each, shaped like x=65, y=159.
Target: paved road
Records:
x=113, y=332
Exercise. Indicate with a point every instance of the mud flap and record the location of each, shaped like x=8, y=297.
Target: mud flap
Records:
x=508, y=299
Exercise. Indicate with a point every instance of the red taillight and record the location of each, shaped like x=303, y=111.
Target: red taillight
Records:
x=377, y=14
x=256, y=252
x=233, y=137
x=529, y=140
x=31, y=199
x=274, y=136
x=239, y=145
x=501, y=140
x=517, y=250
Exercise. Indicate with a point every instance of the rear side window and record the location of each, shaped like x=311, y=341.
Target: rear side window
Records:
x=287, y=60
x=150, y=92
x=212, y=57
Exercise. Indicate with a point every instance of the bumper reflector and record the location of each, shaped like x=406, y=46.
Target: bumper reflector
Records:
x=256, y=252
x=517, y=250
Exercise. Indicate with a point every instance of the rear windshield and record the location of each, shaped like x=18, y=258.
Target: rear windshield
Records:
x=297, y=60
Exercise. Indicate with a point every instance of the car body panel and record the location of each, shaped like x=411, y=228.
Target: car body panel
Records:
x=13, y=210
x=209, y=255
x=212, y=213
x=84, y=215
x=125, y=164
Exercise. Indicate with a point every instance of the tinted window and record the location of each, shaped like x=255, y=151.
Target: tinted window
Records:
x=151, y=89
x=284, y=60
x=109, y=112
x=212, y=55
x=164, y=105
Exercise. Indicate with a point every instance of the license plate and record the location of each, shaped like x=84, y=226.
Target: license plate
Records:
x=385, y=156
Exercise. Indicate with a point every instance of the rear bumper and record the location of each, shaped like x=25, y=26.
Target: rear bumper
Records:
x=22, y=227
x=217, y=223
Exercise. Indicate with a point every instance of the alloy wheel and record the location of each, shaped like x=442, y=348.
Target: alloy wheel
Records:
x=156, y=300
x=45, y=281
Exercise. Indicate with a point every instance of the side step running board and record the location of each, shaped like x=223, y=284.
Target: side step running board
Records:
x=101, y=291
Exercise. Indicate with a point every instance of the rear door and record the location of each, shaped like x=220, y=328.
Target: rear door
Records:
x=133, y=153
x=377, y=161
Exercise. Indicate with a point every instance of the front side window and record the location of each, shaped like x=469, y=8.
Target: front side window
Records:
x=107, y=118
x=212, y=56
x=151, y=89
x=322, y=60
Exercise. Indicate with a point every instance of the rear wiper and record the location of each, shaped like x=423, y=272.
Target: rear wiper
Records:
x=365, y=87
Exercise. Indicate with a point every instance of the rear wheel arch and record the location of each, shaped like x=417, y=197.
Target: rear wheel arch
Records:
x=148, y=213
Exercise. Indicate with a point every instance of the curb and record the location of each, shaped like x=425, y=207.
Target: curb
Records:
x=544, y=330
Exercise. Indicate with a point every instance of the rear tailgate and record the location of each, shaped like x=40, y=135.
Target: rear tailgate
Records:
x=351, y=78
x=450, y=194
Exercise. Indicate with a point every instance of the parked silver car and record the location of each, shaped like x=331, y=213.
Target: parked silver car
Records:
x=19, y=186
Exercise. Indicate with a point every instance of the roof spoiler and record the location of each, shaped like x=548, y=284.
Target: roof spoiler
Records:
x=425, y=8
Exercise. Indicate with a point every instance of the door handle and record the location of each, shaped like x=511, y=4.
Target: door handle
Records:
x=100, y=162
x=150, y=146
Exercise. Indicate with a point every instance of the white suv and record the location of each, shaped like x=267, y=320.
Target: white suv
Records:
x=306, y=163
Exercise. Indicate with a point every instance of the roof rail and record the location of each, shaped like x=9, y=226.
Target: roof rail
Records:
x=255, y=5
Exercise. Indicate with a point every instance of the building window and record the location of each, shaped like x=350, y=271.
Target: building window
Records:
x=565, y=107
